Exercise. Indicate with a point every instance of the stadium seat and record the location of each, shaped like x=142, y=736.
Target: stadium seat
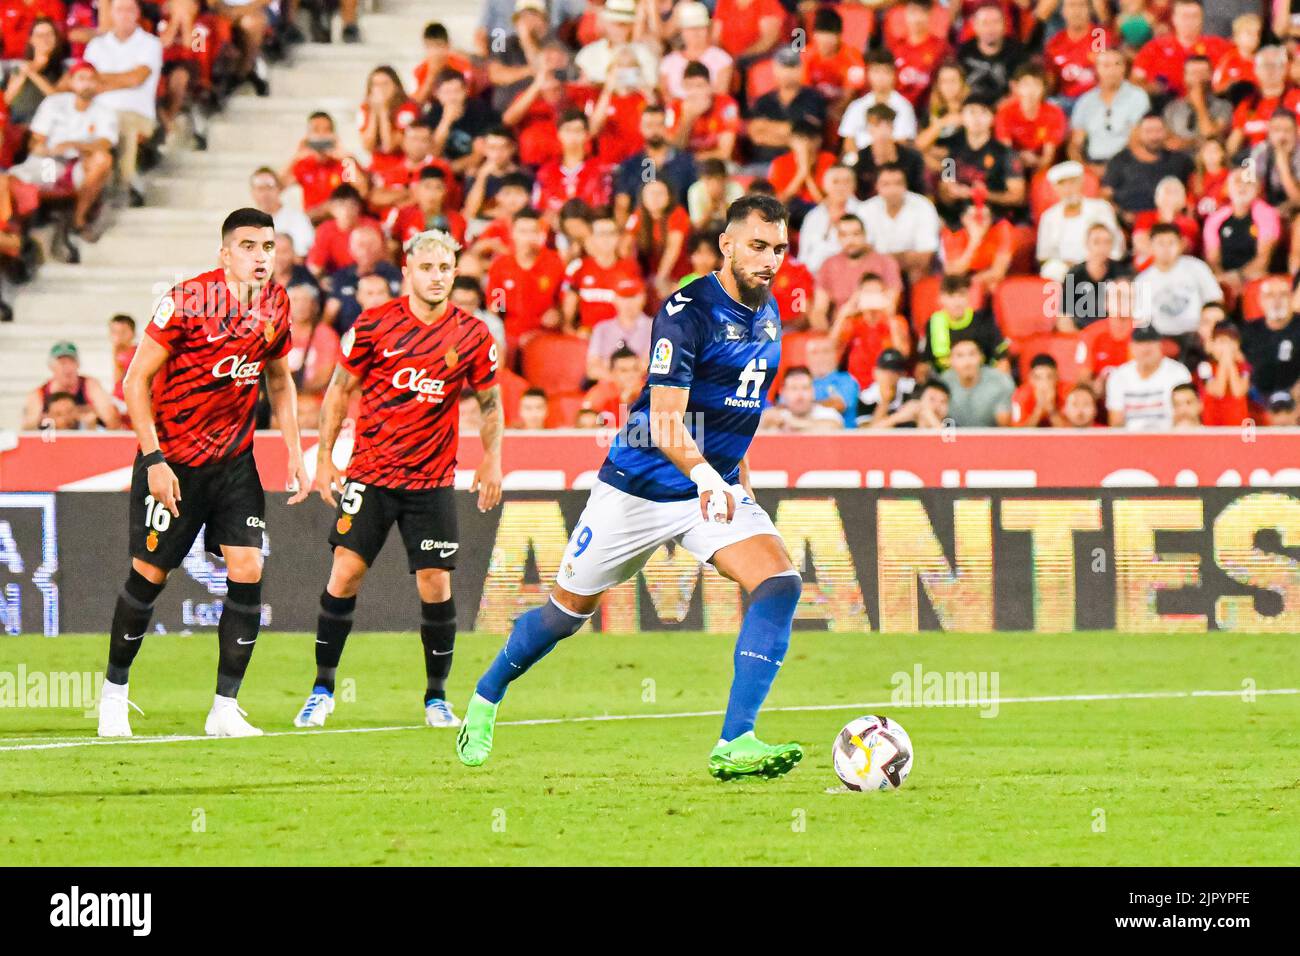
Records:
x=512, y=389
x=1066, y=348
x=859, y=24
x=794, y=351
x=760, y=79
x=1024, y=257
x=555, y=362
x=1025, y=306
x=562, y=410
x=1251, y=307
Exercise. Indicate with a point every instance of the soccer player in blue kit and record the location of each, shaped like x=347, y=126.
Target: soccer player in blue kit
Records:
x=677, y=472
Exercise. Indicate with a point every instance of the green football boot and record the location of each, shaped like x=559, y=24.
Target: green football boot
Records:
x=474, y=742
x=747, y=756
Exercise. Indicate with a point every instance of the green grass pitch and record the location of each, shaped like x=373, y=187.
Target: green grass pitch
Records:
x=1208, y=780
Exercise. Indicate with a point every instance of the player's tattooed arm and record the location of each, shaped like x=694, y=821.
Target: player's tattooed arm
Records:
x=343, y=385
x=487, y=477
x=137, y=389
x=283, y=394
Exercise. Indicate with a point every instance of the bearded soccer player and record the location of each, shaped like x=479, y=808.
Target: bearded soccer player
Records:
x=717, y=345
x=191, y=390
x=410, y=358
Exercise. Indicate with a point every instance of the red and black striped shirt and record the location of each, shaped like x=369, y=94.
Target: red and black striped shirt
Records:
x=204, y=395
x=412, y=376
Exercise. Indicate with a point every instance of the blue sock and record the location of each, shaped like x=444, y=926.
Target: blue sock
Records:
x=534, y=634
x=764, y=638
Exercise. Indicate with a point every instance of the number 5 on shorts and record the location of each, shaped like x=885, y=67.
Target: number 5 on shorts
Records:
x=351, y=500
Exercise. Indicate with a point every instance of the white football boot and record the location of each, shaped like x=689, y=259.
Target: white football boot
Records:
x=226, y=719
x=115, y=711
x=319, y=706
x=438, y=713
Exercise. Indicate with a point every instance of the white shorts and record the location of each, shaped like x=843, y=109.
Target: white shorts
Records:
x=618, y=533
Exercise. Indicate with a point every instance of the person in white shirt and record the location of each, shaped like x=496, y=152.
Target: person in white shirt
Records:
x=881, y=76
x=596, y=58
x=901, y=223
x=266, y=187
x=72, y=138
x=129, y=60
x=1139, y=393
x=695, y=26
x=1170, y=292
x=1063, y=227
x=818, y=237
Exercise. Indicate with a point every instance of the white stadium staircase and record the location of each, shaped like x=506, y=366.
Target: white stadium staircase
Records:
x=144, y=251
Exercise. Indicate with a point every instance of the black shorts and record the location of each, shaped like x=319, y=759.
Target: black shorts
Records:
x=225, y=497
x=426, y=520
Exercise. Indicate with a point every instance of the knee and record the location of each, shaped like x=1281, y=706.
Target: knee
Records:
x=434, y=585
x=346, y=575
x=783, y=589
x=560, y=621
x=246, y=569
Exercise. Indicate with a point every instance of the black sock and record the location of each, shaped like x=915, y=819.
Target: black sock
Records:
x=241, y=615
x=131, y=617
x=438, y=635
x=333, y=625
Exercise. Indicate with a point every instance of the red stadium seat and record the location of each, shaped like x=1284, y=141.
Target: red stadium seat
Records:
x=562, y=410
x=555, y=362
x=1024, y=258
x=512, y=390
x=1025, y=306
x=1251, y=306
x=794, y=351
x=760, y=79
x=1065, y=348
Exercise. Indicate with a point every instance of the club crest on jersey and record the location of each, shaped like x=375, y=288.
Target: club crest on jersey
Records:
x=452, y=357
x=662, y=357
x=418, y=381
x=771, y=329
x=234, y=367
x=732, y=333
x=268, y=330
x=151, y=541
x=166, y=309
x=344, y=524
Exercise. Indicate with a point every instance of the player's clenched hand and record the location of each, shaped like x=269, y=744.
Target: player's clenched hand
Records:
x=487, y=482
x=165, y=487
x=719, y=505
x=328, y=479
x=299, y=483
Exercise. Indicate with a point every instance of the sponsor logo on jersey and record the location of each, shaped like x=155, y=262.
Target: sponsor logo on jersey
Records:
x=166, y=309
x=256, y=522
x=418, y=381
x=235, y=367
x=661, y=358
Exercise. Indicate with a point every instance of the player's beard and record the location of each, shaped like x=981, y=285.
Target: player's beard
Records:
x=433, y=303
x=754, y=292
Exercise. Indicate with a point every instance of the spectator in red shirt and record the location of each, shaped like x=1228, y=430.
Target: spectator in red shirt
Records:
x=121, y=339
x=982, y=248
x=591, y=280
x=1037, y=403
x=1171, y=206
x=1236, y=69
x=523, y=286
x=391, y=176
x=1106, y=344
x=656, y=236
x=616, y=111
x=831, y=67
x=1207, y=187
x=386, y=112
x=575, y=175
x=427, y=210
x=868, y=323
x=1250, y=119
x=796, y=175
x=1034, y=128
x=1158, y=66
x=748, y=29
x=700, y=122
x=331, y=250
x=793, y=288
x=1080, y=408
x=1071, y=54
x=17, y=18
x=319, y=166
x=1225, y=379
x=438, y=55
x=919, y=51
x=616, y=394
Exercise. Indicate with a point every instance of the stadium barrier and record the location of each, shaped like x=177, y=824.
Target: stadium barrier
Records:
x=1135, y=560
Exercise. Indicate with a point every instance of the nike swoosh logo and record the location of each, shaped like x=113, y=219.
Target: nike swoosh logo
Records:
x=128, y=637
x=390, y=354
x=217, y=338
x=439, y=653
x=446, y=554
x=238, y=641
x=319, y=641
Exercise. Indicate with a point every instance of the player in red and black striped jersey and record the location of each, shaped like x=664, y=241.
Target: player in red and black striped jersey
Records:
x=411, y=359
x=191, y=391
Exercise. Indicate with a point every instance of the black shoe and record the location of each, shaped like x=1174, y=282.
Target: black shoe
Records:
x=6, y=313
x=292, y=35
x=351, y=34
x=134, y=198
x=257, y=78
x=201, y=142
x=320, y=27
x=23, y=267
x=64, y=249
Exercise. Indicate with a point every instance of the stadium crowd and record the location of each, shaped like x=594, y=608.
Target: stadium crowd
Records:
x=1019, y=213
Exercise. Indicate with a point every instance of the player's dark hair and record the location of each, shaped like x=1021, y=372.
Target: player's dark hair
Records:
x=436, y=31
x=1042, y=360
x=697, y=70
x=622, y=352
x=248, y=216
x=767, y=208
x=124, y=319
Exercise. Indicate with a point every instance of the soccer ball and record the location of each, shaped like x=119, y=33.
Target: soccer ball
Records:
x=873, y=753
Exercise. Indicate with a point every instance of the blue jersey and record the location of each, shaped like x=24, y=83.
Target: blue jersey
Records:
x=727, y=355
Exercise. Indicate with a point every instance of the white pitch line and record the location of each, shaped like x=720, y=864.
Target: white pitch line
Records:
x=66, y=743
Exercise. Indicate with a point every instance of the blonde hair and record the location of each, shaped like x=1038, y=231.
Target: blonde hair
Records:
x=431, y=239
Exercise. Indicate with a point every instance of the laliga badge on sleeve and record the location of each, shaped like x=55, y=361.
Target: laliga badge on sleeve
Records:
x=662, y=357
